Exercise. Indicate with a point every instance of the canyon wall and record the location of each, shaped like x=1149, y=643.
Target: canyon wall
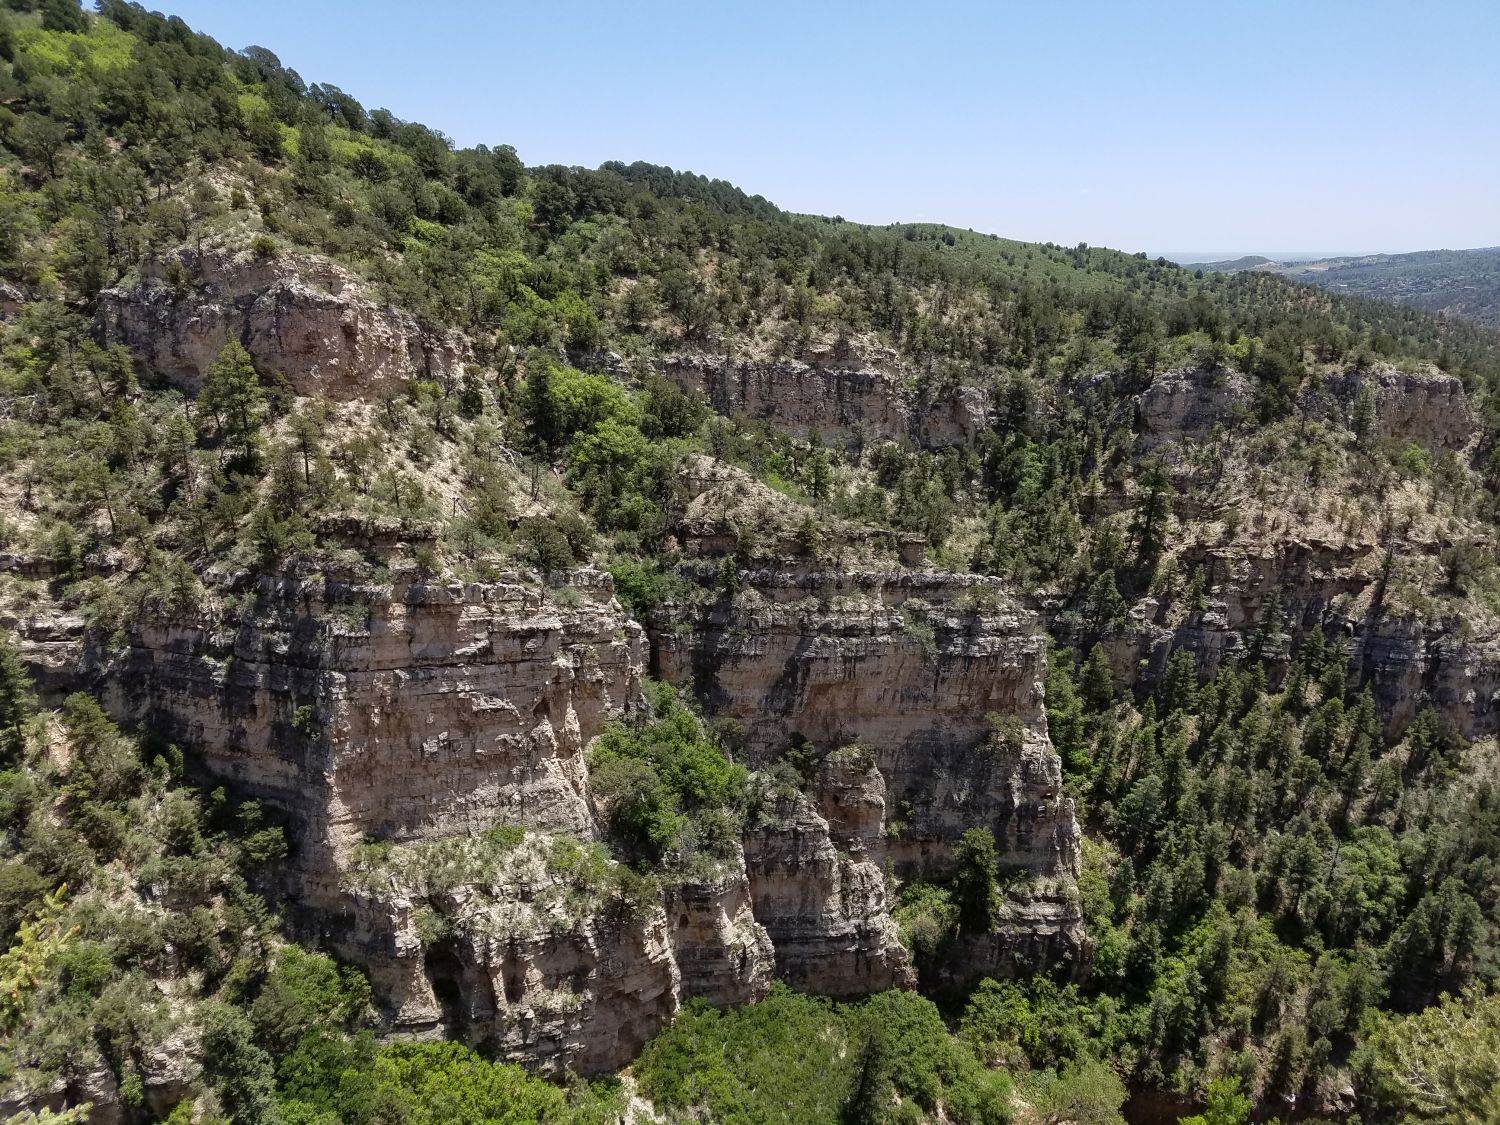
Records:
x=301, y=317
x=404, y=727
x=850, y=398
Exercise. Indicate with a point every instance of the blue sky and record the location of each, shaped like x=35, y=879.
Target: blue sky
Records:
x=1217, y=125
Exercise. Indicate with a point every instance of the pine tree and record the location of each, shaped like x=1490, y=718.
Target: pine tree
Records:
x=17, y=703
x=232, y=394
x=1097, y=680
x=974, y=880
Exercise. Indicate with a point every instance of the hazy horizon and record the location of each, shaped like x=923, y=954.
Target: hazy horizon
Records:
x=1129, y=127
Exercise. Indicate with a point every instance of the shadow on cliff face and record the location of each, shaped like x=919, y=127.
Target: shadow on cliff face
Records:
x=444, y=974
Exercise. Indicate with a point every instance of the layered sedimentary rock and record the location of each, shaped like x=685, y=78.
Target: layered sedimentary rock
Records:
x=1286, y=580
x=1427, y=407
x=529, y=948
x=405, y=722
x=394, y=712
x=1281, y=592
x=723, y=954
x=844, y=396
x=299, y=316
x=910, y=665
x=1190, y=402
x=1035, y=931
x=919, y=697
x=825, y=908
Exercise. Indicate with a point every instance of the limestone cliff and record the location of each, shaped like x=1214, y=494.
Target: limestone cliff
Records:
x=1188, y=403
x=534, y=946
x=300, y=317
x=910, y=665
x=397, y=712
x=839, y=392
x=426, y=741
x=920, y=695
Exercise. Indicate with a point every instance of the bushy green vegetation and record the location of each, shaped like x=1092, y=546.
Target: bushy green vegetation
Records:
x=354, y=1082
x=792, y=1058
x=1457, y=282
x=1275, y=869
x=1441, y=1064
x=669, y=791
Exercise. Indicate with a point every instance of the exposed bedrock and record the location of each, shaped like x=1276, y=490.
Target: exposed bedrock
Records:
x=298, y=315
x=1426, y=407
x=936, y=674
x=1408, y=662
x=850, y=397
x=392, y=712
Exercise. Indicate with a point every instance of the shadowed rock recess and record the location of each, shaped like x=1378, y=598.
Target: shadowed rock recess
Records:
x=410, y=720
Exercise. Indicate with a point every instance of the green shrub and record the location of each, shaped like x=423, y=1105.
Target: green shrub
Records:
x=654, y=778
x=793, y=1058
x=304, y=991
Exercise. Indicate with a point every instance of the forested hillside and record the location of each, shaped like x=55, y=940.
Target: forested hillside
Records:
x=1462, y=283
x=499, y=643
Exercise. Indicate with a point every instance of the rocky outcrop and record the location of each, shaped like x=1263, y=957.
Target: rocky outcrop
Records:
x=723, y=954
x=910, y=665
x=920, y=700
x=1426, y=407
x=397, y=712
x=1281, y=592
x=1035, y=931
x=1190, y=402
x=847, y=397
x=300, y=317
x=539, y=949
x=825, y=908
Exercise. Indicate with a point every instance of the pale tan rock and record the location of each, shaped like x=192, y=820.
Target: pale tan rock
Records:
x=911, y=666
x=826, y=911
x=299, y=316
x=1189, y=402
x=539, y=964
x=845, y=400
x=723, y=954
x=1426, y=407
x=397, y=713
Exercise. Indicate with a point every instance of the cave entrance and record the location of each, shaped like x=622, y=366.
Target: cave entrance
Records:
x=445, y=976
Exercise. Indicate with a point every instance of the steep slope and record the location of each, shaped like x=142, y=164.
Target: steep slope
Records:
x=626, y=593
x=1462, y=283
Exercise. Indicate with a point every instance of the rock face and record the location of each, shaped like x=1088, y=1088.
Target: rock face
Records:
x=1406, y=662
x=299, y=316
x=855, y=399
x=398, y=713
x=723, y=953
x=517, y=947
x=427, y=744
x=824, y=907
x=1190, y=402
x=1425, y=407
x=892, y=679
x=1036, y=932
x=422, y=716
x=908, y=665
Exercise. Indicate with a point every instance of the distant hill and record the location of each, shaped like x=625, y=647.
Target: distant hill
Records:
x=1456, y=282
x=1236, y=265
